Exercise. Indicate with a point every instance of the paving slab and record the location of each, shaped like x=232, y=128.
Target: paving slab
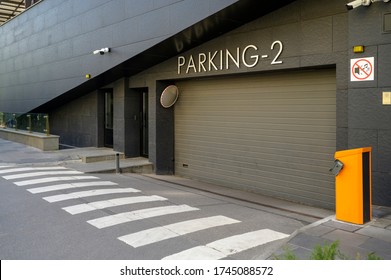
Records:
x=346, y=238
x=352, y=253
x=376, y=232
x=343, y=226
x=308, y=241
x=319, y=230
x=382, y=223
x=378, y=247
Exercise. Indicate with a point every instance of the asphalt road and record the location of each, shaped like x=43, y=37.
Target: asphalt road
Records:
x=127, y=217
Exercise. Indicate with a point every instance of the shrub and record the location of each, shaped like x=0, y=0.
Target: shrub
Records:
x=325, y=252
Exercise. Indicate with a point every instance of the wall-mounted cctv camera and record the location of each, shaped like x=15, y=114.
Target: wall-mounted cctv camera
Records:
x=358, y=3
x=102, y=51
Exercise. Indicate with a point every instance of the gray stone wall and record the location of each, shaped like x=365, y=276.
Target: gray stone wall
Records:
x=78, y=122
x=369, y=121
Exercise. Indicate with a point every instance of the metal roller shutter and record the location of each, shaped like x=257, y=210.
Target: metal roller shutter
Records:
x=272, y=133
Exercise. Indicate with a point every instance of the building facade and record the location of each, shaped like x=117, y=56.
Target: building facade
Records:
x=267, y=92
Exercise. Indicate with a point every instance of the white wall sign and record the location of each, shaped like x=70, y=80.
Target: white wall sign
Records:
x=224, y=59
x=362, y=69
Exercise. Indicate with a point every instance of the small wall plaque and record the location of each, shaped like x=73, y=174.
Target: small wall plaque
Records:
x=386, y=98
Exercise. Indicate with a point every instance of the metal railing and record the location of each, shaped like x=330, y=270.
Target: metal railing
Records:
x=30, y=122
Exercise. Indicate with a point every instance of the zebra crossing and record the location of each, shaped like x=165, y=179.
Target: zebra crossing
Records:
x=71, y=186
x=103, y=204
x=60, y=184
x=228, y=246
x=139, y=214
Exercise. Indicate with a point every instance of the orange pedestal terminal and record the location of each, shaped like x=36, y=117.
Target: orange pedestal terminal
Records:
x=353, y=186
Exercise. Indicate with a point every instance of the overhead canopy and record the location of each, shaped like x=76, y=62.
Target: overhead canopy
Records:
x=10, y=8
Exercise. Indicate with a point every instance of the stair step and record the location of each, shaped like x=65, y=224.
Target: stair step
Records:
x=124, y=168
x=101, y=157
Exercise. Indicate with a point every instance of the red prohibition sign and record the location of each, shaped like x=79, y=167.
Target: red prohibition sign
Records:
x=364, y=69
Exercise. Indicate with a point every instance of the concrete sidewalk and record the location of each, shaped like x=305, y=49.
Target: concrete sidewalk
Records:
x=355, y=241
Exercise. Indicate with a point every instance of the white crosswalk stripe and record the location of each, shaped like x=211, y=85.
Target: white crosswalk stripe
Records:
x=62, y=197
x=158, y=234
x=23, y=169
x=92, y=206
x=121, y=218
x=228, y=246
x=36, y=174
x=53, y=179
x=4, y=166
x=71, y=186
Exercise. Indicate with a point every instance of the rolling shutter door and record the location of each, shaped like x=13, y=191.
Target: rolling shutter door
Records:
x=273, y=133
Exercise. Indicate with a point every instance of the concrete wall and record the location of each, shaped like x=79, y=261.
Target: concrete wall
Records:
x=37, y=140
x=368, y=121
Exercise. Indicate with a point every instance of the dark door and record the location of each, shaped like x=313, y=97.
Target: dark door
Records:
x=108, y=122
x=144, y=125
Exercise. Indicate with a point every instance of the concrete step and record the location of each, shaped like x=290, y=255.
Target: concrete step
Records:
x=103, y=160
x=138, y=165
x=129, y=165
x=105, y=156
x=91, y=154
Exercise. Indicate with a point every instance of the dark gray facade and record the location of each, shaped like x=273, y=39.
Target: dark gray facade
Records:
x=313, y=37
x=46, y=52
x=368, y=121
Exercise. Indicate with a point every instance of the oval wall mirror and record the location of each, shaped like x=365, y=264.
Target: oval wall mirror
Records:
x=169, y=96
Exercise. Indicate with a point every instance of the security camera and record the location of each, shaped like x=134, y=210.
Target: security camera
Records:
x=102, y=51
x=358, y=3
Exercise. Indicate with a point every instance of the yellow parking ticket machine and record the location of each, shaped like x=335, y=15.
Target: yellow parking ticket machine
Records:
x=353, y=185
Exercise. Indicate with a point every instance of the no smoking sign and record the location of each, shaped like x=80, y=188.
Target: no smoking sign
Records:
x=361, y=69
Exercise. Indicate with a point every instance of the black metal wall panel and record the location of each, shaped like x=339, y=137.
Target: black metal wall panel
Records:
x=47, y=50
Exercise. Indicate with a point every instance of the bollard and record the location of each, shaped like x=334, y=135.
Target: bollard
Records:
x=30, y=128
x=15, y=122
x=117, y=168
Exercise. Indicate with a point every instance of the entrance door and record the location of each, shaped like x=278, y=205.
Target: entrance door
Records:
x=144, y=125
x=136, y=121
x=108, y=138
